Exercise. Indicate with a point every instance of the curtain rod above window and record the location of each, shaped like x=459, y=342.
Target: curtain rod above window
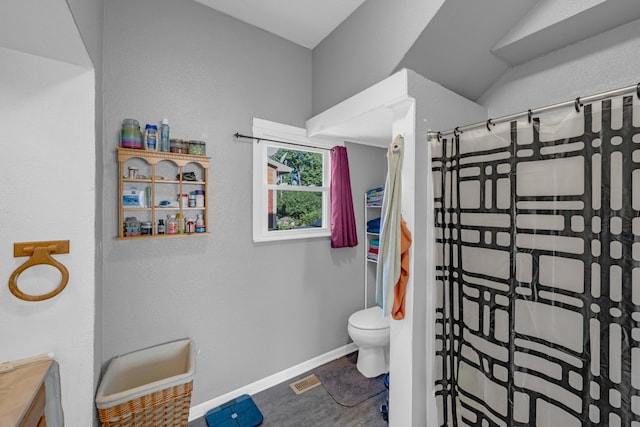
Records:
x=577, y=103
x=239, y=135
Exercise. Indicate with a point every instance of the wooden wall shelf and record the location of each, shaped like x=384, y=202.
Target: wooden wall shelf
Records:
x=159, y=175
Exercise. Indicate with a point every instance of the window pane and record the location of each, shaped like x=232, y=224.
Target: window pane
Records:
x=288, y=210
x=294, y=167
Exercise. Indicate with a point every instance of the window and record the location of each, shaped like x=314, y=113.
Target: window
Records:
x=290, y=183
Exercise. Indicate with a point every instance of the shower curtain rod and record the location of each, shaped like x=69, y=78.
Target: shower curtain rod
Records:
x=239, y=135
x=576, y=103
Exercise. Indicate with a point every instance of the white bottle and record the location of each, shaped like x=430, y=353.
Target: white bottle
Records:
x=200, y=227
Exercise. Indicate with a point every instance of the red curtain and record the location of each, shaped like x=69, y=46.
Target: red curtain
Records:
x=343, y=221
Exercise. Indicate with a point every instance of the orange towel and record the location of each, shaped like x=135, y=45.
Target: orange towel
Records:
x=400, y=289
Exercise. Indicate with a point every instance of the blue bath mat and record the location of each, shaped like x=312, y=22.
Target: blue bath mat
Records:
x=240, y=412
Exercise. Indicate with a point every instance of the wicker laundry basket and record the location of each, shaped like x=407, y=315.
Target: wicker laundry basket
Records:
x=148, y=388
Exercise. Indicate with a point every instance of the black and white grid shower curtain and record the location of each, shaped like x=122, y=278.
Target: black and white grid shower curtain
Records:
x=538, y=270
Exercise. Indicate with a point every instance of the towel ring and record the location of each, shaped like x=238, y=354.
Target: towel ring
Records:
x=40, y=255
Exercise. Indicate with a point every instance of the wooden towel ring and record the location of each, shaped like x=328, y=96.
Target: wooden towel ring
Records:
x=40, y=255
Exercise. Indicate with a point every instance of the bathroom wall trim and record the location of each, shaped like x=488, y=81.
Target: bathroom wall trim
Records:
x=277, y=378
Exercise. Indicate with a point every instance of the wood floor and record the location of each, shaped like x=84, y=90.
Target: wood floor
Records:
x=281, y=407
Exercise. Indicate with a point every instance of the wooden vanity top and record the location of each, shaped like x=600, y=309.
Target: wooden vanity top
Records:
x=18, y=389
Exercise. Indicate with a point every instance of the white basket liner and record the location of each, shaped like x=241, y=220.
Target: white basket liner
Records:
x=146, y=371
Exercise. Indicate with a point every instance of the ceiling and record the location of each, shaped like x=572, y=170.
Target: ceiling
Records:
x=454, y=49
x=466, y=47
x=50, y=33
x=304, y=22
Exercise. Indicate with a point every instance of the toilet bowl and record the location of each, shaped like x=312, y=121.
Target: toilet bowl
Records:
x=369, y=330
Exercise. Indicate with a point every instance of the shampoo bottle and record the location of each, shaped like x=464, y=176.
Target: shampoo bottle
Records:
x=151, y=137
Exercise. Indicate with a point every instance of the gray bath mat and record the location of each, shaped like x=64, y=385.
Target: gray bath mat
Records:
x=346, y=384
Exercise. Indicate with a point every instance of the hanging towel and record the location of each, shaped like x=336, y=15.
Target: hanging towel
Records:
x=343, y=221
x=400, y=289
x=389, y=251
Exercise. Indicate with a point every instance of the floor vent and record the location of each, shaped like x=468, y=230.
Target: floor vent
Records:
x=305, y=384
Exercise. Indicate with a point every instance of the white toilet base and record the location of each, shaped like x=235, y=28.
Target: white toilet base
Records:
x=372, y=361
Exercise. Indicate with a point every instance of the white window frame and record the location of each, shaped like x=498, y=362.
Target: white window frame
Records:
x=280, y=132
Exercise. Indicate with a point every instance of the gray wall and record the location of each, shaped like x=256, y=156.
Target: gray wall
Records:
x=598, y=64
x=366, y=48
x=252, y=309
x=368, y=169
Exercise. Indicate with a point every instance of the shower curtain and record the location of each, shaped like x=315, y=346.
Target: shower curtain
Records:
x=538, y=270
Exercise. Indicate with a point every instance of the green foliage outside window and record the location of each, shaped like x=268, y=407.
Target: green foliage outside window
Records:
x=307, y=167
x=303, y=208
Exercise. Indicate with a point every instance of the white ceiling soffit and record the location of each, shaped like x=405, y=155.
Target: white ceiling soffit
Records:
x=366, y=117
x=304, y=22
x=44, y=28
x=370, y=128
x=454, y=49
x=551, y=25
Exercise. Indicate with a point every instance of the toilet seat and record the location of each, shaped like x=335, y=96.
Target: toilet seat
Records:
x=369, y=319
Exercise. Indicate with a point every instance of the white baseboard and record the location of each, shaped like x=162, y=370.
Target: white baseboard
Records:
x=263, y=384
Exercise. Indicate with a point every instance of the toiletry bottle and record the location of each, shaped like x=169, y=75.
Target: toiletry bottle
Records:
x=164, y=136
x=172, y=225
x=151, y=137
x=161, y=226
x=199, y=194
x=200, y=228
x=181, y=223
x=183, y=200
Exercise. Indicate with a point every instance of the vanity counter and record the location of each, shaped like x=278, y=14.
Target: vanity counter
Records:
x=22, y=395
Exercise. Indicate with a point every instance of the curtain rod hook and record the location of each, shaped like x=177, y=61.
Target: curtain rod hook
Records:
x=439, y=136
x=457, y=131
x=577, y=104
x=489, y=123
x=529, y=115
x=638, y=90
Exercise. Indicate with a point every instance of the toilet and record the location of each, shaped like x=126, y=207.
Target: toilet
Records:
x=369, y=330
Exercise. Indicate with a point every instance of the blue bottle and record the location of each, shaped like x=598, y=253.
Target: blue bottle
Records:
x=164, y=136
x=151, y=137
